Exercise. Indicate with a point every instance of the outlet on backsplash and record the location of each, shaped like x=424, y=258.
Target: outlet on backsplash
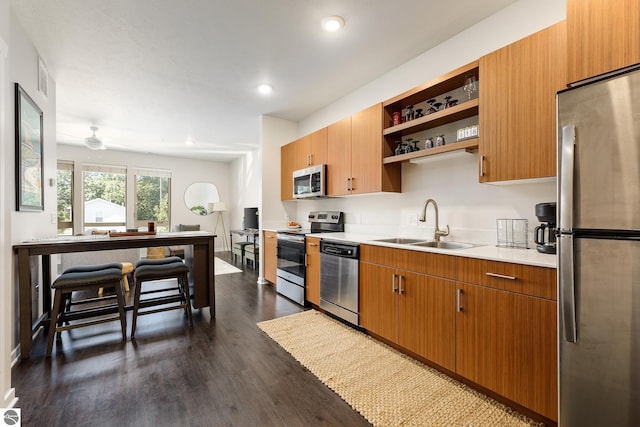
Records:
x=412, y=219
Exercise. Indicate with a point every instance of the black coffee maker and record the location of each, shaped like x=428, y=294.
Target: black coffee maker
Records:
x=545, y=234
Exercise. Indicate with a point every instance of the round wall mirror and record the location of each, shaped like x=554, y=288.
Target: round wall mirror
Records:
x=200, y=198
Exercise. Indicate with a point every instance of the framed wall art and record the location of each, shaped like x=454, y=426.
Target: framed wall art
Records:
x=29, y=153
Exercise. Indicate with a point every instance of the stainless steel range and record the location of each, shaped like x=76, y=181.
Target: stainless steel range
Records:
x=291, y=269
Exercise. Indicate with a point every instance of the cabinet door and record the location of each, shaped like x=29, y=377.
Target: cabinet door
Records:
x=368, y=174
x=318, y=147
x=507, y=343
x=270, y=245
x=313, y=270
x=518, y=84
x=312, y=149
x=339, y=158
x=288, y=160
x=426, y=324
x=602, y=36
x=378, y=300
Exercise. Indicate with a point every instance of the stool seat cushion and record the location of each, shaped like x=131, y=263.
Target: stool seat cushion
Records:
x=97, y=267
x=146, y=271
x=158, y=261
x=87, y=278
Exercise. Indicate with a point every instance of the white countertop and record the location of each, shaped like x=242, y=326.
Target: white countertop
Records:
x=489, y=252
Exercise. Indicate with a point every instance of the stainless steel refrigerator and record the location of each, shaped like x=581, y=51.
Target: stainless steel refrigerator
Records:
x=599, y=252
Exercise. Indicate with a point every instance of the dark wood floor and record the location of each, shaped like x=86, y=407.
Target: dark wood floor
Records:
x=223, y=372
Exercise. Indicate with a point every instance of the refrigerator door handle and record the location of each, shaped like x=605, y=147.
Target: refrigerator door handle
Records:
x=566, y=177
x=567, y=288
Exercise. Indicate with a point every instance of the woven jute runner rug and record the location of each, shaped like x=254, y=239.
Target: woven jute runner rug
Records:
x=387, y=387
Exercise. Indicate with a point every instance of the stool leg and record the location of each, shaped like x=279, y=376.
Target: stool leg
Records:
x=136, y=306
x=57, y=303
x=125, y=281
x=123, y=314
x=185, y=286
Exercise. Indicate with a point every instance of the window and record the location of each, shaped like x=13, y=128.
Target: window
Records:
x=152, y=198
x=64, y=180
x=104, y=196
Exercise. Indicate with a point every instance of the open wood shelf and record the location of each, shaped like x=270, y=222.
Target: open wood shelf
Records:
x=452, y=114
x=469, y=145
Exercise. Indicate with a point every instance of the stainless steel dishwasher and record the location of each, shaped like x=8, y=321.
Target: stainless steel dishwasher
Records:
x=339, y=279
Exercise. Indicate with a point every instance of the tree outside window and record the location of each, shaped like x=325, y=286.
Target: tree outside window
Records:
x=64, y=187
x=104, y=197
x=153, y=197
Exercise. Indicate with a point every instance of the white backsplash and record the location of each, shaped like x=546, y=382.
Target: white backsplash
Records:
x=468, y=207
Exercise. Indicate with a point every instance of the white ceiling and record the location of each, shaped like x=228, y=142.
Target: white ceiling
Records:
x=152, y=74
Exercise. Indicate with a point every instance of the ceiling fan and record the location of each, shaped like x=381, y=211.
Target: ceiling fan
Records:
x=93, y=142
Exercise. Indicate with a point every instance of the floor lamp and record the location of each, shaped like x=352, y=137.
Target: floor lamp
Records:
x=219, y=208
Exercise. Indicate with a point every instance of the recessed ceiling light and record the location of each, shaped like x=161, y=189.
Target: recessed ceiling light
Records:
x=265, y=89
x=188, y=142
x=332, y=23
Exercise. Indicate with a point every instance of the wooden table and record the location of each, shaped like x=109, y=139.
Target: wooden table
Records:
x=201, y=274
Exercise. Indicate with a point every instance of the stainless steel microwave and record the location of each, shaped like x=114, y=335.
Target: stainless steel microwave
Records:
x=310, y=182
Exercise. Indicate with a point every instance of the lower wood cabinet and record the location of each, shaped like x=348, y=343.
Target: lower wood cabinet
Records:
x=411, y=309
x=270, y=245
x=506, y=338
x=491, y=322
x=506, y=342
x=313, y=270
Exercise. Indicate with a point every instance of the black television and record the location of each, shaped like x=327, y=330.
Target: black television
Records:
x=250, y=220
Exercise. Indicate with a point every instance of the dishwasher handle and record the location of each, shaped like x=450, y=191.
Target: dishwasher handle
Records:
x=340, y=249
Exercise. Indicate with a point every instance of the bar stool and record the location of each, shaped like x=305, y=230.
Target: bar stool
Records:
x=147, y=270
x=239, y=250
x=82, y=278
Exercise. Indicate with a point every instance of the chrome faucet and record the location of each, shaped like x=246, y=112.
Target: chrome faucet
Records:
x=423, y=217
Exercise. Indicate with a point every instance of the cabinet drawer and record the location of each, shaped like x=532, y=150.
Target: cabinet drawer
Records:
x=405, y=259
x=523, y=279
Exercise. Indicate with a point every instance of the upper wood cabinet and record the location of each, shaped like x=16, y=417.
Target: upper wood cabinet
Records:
x=312, y=149
x=288, y=162
x=368, y=174
x=602, y=36
x=339, y=158
x=270, y=245
x=517, y=106
x=355, y=150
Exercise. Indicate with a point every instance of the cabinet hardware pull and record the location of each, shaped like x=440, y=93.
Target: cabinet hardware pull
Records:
x=481, y=165
x=501, y=276
x=400, y=290
x=352, y=181
x=313, y=244
x=348, y=184
x=305, y=259
x=459, y=301
x=393, y=283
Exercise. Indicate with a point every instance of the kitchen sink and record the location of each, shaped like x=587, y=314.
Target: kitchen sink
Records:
x=444, y=245
x=401, y=240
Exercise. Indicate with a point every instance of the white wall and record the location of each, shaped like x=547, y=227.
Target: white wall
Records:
x=22, y=67
x=7, y=393
x=468, y=207
x=184, y=172
x=274, y=133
